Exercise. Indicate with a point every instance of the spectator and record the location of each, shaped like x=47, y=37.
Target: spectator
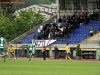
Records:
x=91, y=31
x=60, y=35
x=43, y=35
x=83, y=14
x=67, y=25
x=76, y=24
x=49, y=36
x=55, y=35
x=39, y=37
x=56, y=21
x=60, y=20
x=39, y=30
x=55, y=51
x=46, y=34
x=64, y=31
x=81, y=21
x=52, y=35
x=41, y=27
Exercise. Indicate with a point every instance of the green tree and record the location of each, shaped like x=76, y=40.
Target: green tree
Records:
x=6, y=26
x=78, y=51
x=27, y=20
x=12, y=28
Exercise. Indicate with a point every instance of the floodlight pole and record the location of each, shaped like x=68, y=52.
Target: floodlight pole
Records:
x=57, y=9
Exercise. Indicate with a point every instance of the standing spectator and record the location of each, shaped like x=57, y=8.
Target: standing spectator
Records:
x=44, y=52
x=91, y=31
x=55, y=51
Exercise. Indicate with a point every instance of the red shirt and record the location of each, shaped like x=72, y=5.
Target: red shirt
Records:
x=83, y=15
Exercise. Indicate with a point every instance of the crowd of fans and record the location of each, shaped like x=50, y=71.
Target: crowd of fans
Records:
x=66, y=25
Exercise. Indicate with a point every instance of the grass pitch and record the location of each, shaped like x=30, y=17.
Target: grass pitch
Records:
x=48, y=67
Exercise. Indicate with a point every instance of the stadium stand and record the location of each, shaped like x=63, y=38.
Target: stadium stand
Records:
x=77, y=33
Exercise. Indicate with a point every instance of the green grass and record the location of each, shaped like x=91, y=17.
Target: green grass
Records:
x=40, y=67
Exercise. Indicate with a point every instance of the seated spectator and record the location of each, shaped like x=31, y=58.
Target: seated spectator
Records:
x=81, y=21
x=83, y=15
x=46, y=34
x=39, y=37
x=41, y=27
x=60, y=20
x=55, y=34
x=60, y=35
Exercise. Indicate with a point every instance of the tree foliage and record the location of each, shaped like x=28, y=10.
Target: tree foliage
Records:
x=12, y=28
x=78, y=50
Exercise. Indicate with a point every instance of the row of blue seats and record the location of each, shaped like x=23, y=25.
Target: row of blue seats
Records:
x=27, y=39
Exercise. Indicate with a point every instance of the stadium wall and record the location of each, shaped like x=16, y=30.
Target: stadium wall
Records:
x=88, y=51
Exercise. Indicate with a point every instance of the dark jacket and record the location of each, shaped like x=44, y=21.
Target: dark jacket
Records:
x=56, y=50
